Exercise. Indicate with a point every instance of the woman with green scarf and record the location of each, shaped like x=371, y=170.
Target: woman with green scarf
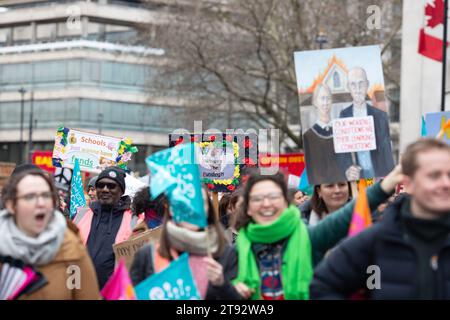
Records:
x=276, y=250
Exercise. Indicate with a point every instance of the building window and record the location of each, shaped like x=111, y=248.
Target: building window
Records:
x=336, y=80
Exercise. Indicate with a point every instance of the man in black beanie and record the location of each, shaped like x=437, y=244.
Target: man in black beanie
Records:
x=107, y=222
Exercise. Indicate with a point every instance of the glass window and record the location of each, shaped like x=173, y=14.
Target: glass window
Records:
x=336, y=80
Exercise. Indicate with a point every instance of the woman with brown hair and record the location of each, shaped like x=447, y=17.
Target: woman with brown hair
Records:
x=229, y=206
x=208, y=244
x=327, y=198
x=32, y=230
x=276, y=250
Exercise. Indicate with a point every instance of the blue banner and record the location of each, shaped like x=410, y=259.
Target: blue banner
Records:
x=304, y=185
x=175, y=171
x=423, y=132
x=77, y=193
x=173, y=283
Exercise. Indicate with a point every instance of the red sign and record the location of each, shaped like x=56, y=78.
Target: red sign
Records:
x=291, y=163
x=43, y=159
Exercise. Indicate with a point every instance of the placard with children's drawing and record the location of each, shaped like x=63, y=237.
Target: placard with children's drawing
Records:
x=343, y=114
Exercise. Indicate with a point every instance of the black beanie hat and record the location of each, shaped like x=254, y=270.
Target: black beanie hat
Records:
x=114, y=173
x=24, y=167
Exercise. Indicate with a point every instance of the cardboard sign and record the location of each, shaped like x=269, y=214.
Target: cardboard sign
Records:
x=94, y=152
x=354, y=134
x=128, y=249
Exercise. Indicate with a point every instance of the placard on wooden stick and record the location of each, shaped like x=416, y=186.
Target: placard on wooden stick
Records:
x=128, y=249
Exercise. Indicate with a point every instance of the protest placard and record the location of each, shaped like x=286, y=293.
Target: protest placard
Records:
x=128, y=249
x=435, y=122
x=223, y=157
x=95, y=152
x=342, y=83
x=354, y=134
x=133, y=185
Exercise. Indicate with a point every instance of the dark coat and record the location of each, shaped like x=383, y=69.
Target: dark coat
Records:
x=321, y=160
x=104, y=228
x=142, y=268
x=305, y=210
x=382, y=159
x=387, y=246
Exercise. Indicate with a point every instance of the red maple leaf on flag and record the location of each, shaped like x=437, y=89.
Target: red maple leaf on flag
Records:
x=435, y=13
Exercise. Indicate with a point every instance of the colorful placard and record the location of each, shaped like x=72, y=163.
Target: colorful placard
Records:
x=94, y=152
x=223, y=157
x=337, y=84
x=434, y=122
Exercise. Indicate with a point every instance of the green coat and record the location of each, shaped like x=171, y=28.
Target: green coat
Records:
x=329, y=231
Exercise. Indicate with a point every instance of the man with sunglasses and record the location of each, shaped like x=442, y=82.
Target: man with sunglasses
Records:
x=108, y=221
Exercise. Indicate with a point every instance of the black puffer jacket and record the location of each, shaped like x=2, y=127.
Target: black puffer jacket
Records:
x=391, y=246
x=105, y=225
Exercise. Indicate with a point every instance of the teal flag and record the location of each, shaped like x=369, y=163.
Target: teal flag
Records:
x=76, y=190
x=175, y=171
x=173, y=283
x=304, y=185
x=424, y=128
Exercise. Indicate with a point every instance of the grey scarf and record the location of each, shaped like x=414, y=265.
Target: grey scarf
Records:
x=195, y=242
x=35, y=251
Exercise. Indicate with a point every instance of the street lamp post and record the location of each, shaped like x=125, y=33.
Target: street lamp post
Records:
x=22, y=92
x=100, y=121
x=30, y=129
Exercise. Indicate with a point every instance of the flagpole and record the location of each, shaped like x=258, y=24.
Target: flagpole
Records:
x=444, y=56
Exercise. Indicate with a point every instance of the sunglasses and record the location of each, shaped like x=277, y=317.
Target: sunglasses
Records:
x=109, y=185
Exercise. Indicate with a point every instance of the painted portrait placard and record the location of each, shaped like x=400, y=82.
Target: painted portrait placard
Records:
x=335, y=87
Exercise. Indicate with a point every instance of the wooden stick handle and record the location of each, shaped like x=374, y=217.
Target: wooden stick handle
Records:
x=215, y=198
x=354, y=187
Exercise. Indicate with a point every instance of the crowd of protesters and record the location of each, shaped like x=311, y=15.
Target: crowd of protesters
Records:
x=263, y=243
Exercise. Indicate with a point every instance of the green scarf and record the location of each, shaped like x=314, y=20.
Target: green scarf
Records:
x=296, y=270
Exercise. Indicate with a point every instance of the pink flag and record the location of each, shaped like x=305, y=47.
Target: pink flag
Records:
x=119, y=285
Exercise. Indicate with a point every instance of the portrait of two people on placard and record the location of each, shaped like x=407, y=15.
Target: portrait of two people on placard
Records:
x=322, y=163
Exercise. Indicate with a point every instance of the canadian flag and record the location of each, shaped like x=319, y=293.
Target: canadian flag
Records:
x=431, y=34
